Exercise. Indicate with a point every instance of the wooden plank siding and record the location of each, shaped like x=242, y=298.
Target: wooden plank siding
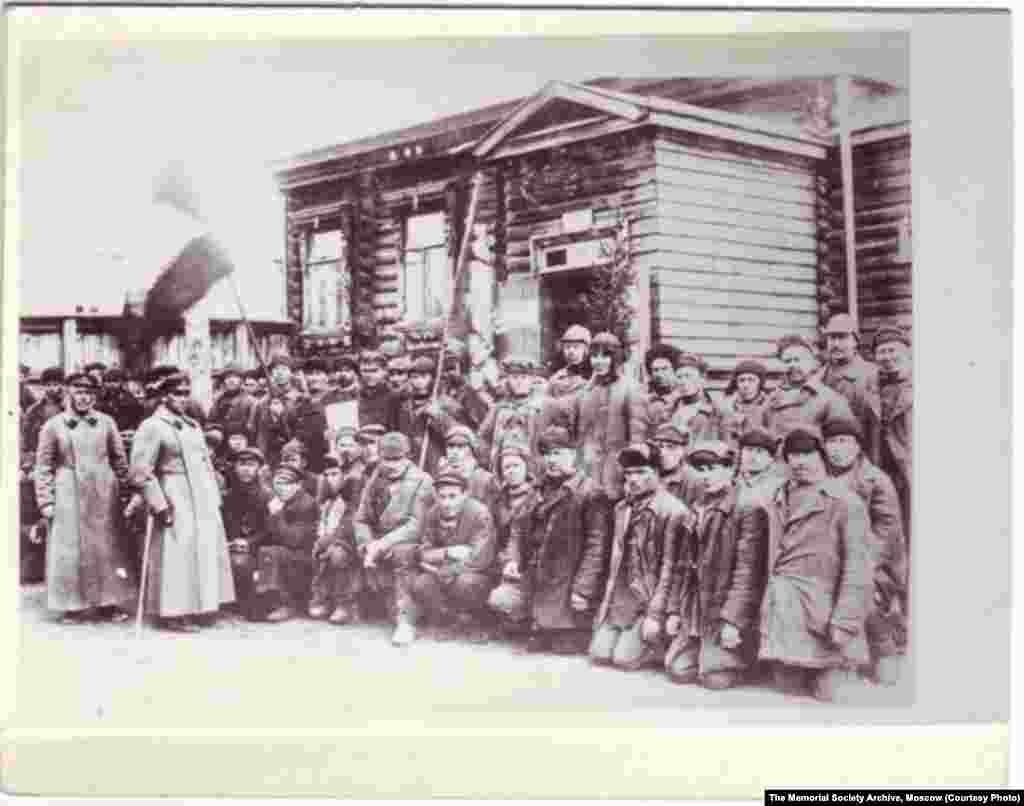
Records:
x=882, y=205
x=733, y=251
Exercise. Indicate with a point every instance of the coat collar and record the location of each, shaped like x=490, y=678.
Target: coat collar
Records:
x=854, y=371
x=72, y=419
x=809, y=505
x=902, y=398
x=176, y=421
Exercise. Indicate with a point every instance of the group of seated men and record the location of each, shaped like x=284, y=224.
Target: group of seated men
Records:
x=719, y=537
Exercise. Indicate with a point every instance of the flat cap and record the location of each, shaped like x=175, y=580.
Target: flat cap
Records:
x=450, y=479
x=315, y=365
x=758, y=437
x=639, y=454
x=287, y=473
x=281, y=359
x=460, y=434
x=802, y=439
x=841, y=323
x=52, y=375
x=423, y=365
x=576, y=333
x=249, y=455
x=81, y=380
x=669, y=352
x=554, y=437
x=607, y=341
x=794, y=340
x=371, y=432
x=711, y=450
x=889, y=333
x=842, y=426
x=750, y=367
x=669, y=433
x=394, y=445
x=293, y=447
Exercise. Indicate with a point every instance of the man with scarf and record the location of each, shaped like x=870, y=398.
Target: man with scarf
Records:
x=338, y=579
x=393, y=506
x=651, y=527
x=607, y=414
x=555, y=567
x=819, y=576
x=886, y=623
x=718, y=580
x=662, y=363
x=447, y=576
x=80, y=465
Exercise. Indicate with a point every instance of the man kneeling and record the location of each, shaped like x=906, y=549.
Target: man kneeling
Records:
x=448, y=577
x=339, y=569
x=651, y=526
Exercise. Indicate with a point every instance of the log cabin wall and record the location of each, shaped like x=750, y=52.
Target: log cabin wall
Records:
x=612, y=176
x=733, y=251
x=882, y=212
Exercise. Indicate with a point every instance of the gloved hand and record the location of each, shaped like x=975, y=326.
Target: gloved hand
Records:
x=164, y=517
x=650, y=629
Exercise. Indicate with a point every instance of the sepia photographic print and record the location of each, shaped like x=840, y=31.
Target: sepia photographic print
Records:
x=408, y=409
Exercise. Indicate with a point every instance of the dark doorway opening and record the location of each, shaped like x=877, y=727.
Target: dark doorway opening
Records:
x=563, y=304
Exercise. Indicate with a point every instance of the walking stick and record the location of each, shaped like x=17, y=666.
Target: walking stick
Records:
x=460, y=264
x=142, y=578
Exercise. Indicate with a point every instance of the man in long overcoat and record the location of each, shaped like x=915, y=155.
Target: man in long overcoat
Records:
x=556, y=566
x=651, y=526
x=80, y=464
x=718, y=579
x=606, y=415
x=819, y=576
x=189, y=575
x=892, y=352
x=886, y=623
x=856, y=379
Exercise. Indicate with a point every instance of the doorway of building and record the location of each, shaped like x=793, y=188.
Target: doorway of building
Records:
x=563, y=303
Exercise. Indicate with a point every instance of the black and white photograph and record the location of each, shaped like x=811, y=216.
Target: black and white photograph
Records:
x=363, y=378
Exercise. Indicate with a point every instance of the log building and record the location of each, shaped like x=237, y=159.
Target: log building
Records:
x=725, y=195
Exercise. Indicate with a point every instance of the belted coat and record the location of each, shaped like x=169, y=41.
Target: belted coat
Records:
x=819, y=576
x=80, y=463
x=662, y=530
x=189, y=566
x=563, y=549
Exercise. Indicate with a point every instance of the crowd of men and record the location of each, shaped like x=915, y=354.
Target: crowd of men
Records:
x=730, y=538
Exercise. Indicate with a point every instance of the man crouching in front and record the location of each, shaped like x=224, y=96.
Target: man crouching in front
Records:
x=448, y=579
x=651, y=526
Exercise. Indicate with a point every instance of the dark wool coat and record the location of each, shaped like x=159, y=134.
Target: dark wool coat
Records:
x=889, y=549
x=286, y=557
x=667, y=529
x=896, y=452
x=738, y=417
x=79, y=465
x=606, y=417
x=474, y=527
x=125, y=410
x=415, y=423
x=245, y=512
x=32, y=423
x=379, y=406
x=394, y=509
x=233, y=410
x=512, y=516
x=189, y=567
x=857, y=382
x=564, y=549
x=812, y=403
x=310, y=427
x=720, y=575
x=819, y=576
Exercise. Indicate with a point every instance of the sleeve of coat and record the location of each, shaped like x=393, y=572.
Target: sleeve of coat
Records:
x=486, y=434
x=408, y=530
x=517, y=532
x=636, y=412
x=743, y=598
x=852, y=590
x=115, y=449
x=597, y=519
x=676, y=533
x=46, y=466
x=145, y=455
x=483, y=541
x=887, y=530
x=364, y=522
x=680, y=566
x=293, y=528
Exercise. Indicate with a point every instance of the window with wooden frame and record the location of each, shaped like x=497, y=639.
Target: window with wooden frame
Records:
x=426, y=283
x=325, y=281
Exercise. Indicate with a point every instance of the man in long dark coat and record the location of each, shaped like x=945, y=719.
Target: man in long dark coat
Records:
x=233, y=406
x=80, y=464
x=555, y=572
x=189, y=574
x=892, y=352
x=245, y=521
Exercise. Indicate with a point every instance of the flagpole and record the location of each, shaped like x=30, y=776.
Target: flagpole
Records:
x=248, y=326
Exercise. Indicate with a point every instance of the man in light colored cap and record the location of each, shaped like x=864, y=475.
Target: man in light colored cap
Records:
x=893, y=354
x=517, y=417
x=744, y=397
x=819, y=576
x=886, y=625
x=677, y=477
x=447, y=577
x=651, y=527
x=801, y=399
x=719, y=578
x=575, y=347
x=554, y=573
x=855, y=378
x=461, y=456
x=693, y=410
x=394, y=503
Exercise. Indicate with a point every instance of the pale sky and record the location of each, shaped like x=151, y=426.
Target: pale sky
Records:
x=101, y=120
